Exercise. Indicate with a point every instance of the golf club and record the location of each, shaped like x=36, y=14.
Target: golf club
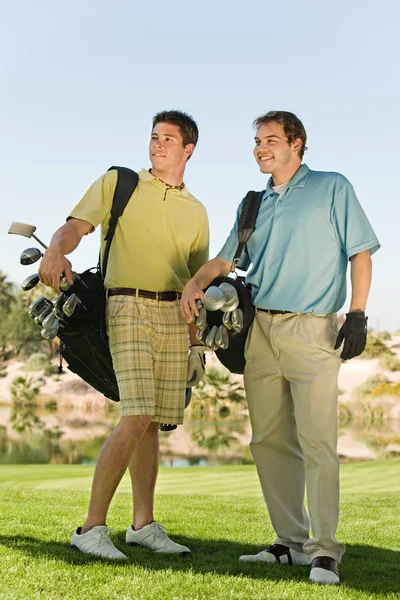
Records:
x=36, y=307
x=30, y=256
x=25, y=230
x=43, y=314
x=70, y=305
x=50, y=322
x=30, y=282
x=57, y=305
x=49, y=334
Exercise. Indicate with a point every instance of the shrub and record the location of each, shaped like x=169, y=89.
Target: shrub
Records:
x=39, y=361
x=386, y=389
x=24, y=390
x=384, y=335
x=375, y=347
x=371, y=384
x=389, y=362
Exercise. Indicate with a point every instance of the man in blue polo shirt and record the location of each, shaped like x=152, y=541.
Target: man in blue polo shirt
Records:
x=309, y=226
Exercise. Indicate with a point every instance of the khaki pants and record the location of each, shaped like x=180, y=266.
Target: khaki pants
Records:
x=291, y=386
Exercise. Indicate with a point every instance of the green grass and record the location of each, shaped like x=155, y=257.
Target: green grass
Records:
x=217, y=511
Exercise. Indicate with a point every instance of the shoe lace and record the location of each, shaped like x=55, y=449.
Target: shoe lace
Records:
x=105, y=535
x=160, y=530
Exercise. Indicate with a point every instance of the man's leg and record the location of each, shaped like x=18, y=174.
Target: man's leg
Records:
x=274, y=444
x=312, y=366
x=170, y=343
x=143, y=468
x=112, y=464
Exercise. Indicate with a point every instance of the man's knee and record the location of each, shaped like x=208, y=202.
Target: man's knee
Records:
x=135, y=423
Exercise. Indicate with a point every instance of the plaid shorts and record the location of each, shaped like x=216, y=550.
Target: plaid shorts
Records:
x=149, y=346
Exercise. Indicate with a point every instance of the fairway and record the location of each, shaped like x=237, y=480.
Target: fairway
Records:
x=217, y=511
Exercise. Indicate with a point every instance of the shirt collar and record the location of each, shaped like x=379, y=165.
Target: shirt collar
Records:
x=299, y=179
x=146, y=176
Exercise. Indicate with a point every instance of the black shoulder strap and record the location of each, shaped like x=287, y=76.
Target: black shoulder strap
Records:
x=247, y=221
x=126, y=184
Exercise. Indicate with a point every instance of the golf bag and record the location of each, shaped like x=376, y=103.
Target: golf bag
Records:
x=83, y=337
x=233, y=356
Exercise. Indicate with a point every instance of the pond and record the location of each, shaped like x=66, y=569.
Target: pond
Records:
x=70, y=435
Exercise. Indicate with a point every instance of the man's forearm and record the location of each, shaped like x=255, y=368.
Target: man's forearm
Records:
x=66, y=239
x=212, y=269
x=361, y=275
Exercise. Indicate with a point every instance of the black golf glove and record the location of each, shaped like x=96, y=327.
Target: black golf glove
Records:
x=354, y=333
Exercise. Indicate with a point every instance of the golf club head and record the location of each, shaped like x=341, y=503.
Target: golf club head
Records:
x=57, y=306
x=22, y=229
x=201, y=334
x=49, y=334
x=30, y=256
x=226, y=320
x=222, y=337
x=70, y=305
x=59, y=301
x=237, y=320
x=210, y=339
x=64, y=285
x=30, y=282
x=43, y=314
x=25, y=230
x=50, y=321
x=201, y=321
x=36, y=307
x=214, y=298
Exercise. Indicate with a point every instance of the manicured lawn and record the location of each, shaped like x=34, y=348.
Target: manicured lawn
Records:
x=217, y=511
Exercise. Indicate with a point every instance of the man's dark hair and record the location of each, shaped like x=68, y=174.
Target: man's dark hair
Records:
x=186, y=123
x=292, y=126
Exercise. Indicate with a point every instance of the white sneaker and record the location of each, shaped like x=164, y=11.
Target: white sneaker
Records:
x=96, y=541
x=153, y=536
x=324, y=569
x=278, y=553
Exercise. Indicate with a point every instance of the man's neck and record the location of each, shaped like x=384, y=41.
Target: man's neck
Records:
x=284, y=175
x=171, y=178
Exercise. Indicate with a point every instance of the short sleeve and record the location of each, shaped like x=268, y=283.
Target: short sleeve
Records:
x=96, y=203
x=350, y=222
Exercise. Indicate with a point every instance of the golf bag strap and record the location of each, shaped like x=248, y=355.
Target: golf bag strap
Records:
x=247, y=221
x=126, y=184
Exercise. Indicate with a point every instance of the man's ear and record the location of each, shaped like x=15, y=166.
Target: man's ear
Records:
x=189, y=149
x=297, y=144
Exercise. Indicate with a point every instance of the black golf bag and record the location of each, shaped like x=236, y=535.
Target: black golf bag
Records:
x=233, y=356
x=83, y=337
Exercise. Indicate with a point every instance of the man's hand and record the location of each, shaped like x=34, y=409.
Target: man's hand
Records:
x=196, y=365
x=191, y=293
x=53, y=266
x=354, y=333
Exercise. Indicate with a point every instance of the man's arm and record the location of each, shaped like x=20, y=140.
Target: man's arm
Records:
x=193, y=290
x=64, y=241
x=361, y=275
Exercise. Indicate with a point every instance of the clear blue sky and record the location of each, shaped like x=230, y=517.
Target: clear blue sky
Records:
x=81, y=81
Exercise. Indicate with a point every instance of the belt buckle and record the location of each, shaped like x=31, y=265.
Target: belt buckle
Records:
x=157, y=296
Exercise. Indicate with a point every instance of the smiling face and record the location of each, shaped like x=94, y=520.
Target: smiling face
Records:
x=274, y=154
x=166, y=150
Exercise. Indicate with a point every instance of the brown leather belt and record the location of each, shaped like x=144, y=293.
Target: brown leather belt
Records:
x=275, y=312
x=167, y=296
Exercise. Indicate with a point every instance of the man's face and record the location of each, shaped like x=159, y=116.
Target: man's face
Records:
x=166, y=148
x=272, y=151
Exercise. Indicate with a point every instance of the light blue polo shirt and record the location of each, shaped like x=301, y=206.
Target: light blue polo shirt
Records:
x=302, y=242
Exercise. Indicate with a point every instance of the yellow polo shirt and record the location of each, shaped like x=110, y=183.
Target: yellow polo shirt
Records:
x=161, y=239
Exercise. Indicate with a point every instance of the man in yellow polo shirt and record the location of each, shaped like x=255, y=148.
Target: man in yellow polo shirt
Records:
x=161, y=241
